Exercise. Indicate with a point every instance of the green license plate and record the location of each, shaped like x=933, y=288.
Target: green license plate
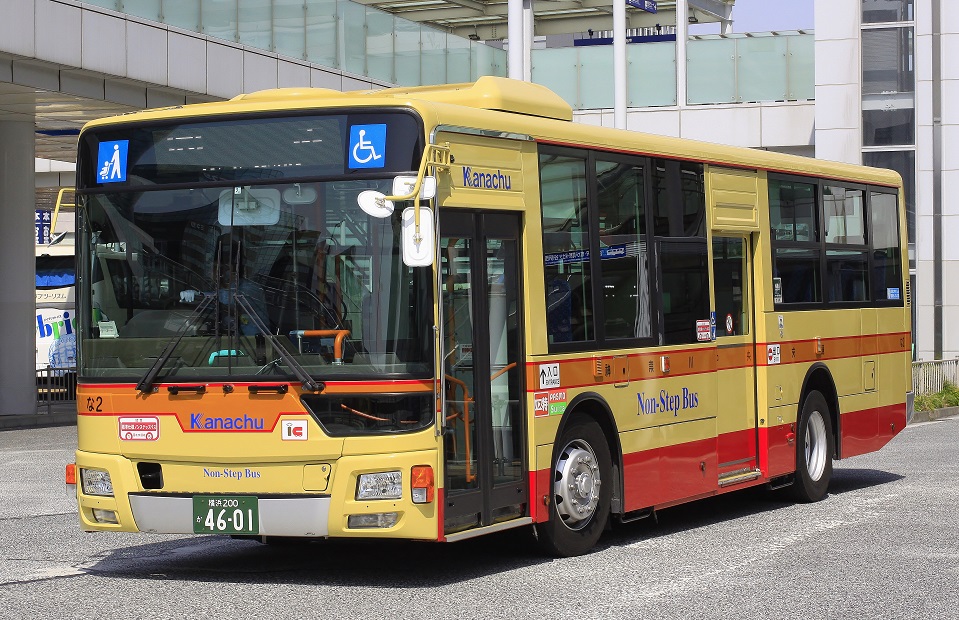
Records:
x=225, y=514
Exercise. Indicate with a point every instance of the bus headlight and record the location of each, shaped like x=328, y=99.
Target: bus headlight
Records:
x=96, y=482
x=381, y=485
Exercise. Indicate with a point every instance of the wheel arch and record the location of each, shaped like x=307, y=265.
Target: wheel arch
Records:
x=594, y=406
x=819, y=378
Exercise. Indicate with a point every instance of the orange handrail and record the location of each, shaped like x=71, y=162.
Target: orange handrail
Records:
x=363, y=415
x=502, y=370
x=470, y=476
x=340, y=334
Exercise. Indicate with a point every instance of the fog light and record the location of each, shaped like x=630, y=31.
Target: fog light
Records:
x=381, y=485
x=96, y=482
x=377, y=519
x=105, y=516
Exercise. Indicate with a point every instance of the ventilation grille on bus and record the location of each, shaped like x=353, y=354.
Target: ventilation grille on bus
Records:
x=908, y=293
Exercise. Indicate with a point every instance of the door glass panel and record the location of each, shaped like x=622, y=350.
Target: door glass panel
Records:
x=461, y=453
x=504, y=385
x=729, y=285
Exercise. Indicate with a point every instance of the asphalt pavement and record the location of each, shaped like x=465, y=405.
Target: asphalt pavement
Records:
x=883, y=544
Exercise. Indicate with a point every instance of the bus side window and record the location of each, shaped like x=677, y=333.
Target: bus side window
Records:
x=568, y=273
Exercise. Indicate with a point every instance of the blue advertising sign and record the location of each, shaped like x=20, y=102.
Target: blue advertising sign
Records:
x=646, y=5
x=367, y=146
x=41, y=225
x=112, y=158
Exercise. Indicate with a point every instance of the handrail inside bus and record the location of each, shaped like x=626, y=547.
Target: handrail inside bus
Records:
x=340, y=335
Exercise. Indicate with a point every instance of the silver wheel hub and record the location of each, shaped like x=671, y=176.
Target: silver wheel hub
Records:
x=815, y=445
x=577, y=483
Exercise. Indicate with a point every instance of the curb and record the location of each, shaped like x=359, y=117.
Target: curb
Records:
x=935, y=414
x=61, y=414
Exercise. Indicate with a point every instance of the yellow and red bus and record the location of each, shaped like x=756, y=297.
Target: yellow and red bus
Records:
x=434, y=313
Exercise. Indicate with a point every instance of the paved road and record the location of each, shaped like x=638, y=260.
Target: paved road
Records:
x=883, y=545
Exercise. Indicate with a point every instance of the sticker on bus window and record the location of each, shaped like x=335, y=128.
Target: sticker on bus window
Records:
x=892, y=294
x=367, y=146
x=704, y=331
x=778, y=290
x=112, y=159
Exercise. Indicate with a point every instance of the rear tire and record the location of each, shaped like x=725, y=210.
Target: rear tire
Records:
x=814, y=450
x=582, y=486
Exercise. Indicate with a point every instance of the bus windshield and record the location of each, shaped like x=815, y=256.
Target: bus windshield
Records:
x=224, y=274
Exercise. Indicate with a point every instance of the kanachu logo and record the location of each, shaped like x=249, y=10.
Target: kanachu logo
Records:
x=486, y=180
x=202, y=422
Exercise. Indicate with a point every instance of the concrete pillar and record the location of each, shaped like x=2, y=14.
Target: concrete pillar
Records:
x=619, y=64
x=17, y=269
x=682, y=28
x=515, y=40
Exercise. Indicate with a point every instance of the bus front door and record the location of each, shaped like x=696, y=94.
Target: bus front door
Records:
x=485, y=431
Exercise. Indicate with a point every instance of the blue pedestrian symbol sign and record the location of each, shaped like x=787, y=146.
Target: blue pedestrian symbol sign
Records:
x=112, y=158
x=367, y=146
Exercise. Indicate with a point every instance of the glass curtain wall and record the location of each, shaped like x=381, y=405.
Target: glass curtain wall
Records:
x=335, y=33
x=889, y=93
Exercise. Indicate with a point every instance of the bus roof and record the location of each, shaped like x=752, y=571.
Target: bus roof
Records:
x=511, y=106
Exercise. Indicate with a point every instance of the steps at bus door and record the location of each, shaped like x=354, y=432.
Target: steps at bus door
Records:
x=740, y=475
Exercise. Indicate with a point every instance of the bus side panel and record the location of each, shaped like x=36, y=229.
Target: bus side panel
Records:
x=870, y=429
x=679, y=468
x=778, y=441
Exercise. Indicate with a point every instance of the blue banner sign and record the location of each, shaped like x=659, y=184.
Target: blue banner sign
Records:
x=41, y=225
x=581, y=256
x=646, y=5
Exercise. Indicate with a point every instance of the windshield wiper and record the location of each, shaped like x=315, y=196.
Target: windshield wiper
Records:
x=146, y=383
x=309, y=383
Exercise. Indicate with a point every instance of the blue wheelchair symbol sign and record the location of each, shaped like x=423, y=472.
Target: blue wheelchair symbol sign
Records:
x=112, y=161
x=367, y=146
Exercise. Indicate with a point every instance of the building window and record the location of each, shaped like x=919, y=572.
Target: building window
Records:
x=879, y=11
x=888, y=127
x=888, y=61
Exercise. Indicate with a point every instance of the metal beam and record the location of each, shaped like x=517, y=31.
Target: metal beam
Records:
x=714, y=8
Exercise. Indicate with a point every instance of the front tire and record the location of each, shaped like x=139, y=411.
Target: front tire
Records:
x=582, y=487
x=814, y=450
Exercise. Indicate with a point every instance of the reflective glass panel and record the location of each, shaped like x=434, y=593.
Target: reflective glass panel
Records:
x=566, y=249
x=623, y=252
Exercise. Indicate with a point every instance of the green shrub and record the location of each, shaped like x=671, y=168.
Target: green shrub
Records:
x=948, y=397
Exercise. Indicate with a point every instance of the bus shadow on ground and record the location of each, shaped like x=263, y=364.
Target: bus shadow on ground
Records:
x=400, y=564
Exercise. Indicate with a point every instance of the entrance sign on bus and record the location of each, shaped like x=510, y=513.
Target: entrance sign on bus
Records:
x=530, y=342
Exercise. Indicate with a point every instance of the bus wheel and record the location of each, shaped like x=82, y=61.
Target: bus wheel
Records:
x=582, y=477
x=814, y=450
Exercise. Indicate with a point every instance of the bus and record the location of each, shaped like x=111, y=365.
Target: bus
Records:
x=56, y=287
x=434, y=313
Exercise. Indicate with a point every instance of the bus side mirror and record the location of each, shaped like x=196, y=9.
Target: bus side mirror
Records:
x=419, y=247
x=403, y=186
